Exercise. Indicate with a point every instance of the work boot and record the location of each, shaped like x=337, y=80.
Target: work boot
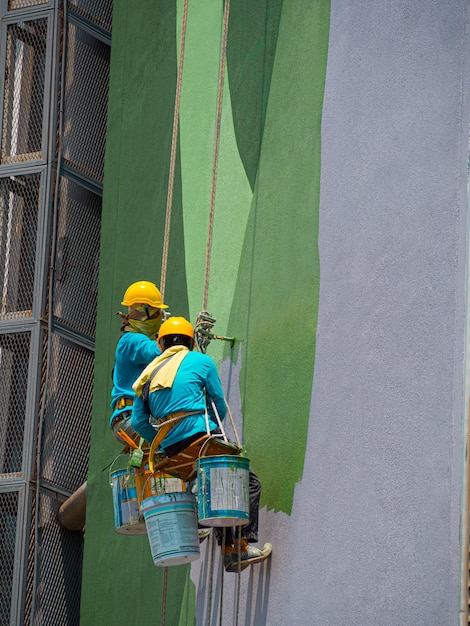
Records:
x=234, y=562
x=203, y=533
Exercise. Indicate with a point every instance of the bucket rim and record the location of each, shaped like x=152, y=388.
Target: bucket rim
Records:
x=223, y=456
x=180, y=495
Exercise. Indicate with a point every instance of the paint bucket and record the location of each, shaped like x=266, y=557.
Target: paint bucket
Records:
x=127, y=517
x=172, y=528
x=154, y=484
x=223, y=490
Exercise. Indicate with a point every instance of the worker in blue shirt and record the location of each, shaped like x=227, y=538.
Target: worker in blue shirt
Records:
x=136, y=348
x=185, y=384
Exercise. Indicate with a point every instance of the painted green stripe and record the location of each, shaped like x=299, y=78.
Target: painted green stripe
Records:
x=276, y=302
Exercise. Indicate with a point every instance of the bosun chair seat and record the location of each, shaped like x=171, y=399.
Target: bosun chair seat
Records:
x=183, y=464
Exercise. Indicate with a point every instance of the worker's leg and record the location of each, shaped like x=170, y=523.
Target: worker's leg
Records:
x=123, y=422
x=179, y=446
x=250, y=530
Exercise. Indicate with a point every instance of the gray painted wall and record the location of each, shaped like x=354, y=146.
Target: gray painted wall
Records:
x=381, y=495
x=373, y=539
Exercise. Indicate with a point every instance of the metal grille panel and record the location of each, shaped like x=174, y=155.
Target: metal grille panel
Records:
x=14, y=358
x=98, y=13
x=22, y=4
x=24, y=91
x=76, y=287
x=46, y=386
x=19, y=202
x=8, y=525
x=86, y=81
x=31, y=543
x=59, y=565
x=67, y=420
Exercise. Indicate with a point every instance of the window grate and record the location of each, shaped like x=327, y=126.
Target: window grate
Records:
x=14, y=358
x=19, y=203
x=8, y=525
x=24, y=91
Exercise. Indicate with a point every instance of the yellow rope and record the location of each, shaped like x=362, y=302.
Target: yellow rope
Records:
x=223, y=54
x=174, y=143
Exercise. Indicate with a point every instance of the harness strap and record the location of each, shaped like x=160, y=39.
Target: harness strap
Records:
x=122, y=402
x=177, y=415
x=146, y=387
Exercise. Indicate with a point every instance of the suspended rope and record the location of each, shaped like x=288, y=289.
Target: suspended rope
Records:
x=165, y=586
x=174, y=143
x=206, y=323
x=223, y=54
x=211, y=579
x=224, y=533
x=239, y=569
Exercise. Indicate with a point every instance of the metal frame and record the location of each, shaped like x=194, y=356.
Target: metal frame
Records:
x=42, y=327
x=33, y=325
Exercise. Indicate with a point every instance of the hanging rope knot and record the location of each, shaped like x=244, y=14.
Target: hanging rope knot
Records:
x=203, y=331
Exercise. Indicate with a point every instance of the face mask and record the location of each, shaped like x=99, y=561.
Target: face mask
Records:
x=147, y=327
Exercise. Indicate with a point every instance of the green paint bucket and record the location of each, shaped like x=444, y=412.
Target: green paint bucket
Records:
x=127, y=517
x=223, y=490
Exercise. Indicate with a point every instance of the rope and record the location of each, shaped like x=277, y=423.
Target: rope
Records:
x=224, y=533
x=211, y=579
x=232, y=422
x=237, y=610
x=223, y=54
x=174, y=141
x=165, y=585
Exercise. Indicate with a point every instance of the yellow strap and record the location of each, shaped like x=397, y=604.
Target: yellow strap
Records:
x=126, y=437
x=159, y=437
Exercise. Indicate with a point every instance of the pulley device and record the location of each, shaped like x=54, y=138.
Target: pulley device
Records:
x=203, y=334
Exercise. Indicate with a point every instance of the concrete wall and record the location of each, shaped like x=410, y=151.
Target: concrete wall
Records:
x=338, y=262
x=380, y=497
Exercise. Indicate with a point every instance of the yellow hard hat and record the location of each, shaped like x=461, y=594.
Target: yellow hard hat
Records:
x=175, y=326
x=143, y=292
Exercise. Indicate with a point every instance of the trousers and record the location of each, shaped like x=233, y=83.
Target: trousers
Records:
x=248, y=531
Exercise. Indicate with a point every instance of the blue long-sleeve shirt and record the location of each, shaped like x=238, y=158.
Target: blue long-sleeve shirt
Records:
x=196, y=373
x=134, y=351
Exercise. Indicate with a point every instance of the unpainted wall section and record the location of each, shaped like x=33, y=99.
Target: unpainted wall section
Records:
x=380, y=500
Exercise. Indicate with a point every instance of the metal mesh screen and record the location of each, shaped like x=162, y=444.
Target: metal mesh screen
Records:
x=59, y=566
x=86, y=81
x=19, y=202
x=99, y=13
x=22, y=4
x=59, y=390
x=31, y=543
x=67, y=420
x=14, y=358
x=76, y=287
x=24, y=91
x=8, y=525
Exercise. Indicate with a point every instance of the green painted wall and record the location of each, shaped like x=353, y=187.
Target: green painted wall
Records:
x=264, y=274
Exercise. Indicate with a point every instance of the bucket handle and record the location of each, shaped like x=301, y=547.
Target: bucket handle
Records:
x=219, y=422
x=112, y=465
